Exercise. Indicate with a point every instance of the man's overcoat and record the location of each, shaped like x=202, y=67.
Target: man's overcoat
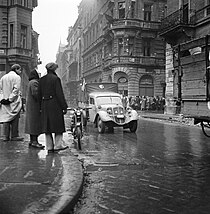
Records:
x=33, y=120
x=53, y=103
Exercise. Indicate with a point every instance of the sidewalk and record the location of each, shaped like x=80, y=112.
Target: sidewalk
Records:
x=34, y=182
x=169, y=117
x=159, y=115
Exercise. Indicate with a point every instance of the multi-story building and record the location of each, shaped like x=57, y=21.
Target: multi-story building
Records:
x=121, y=44
x=18, y=41
x=118, y=41
x=185, y=21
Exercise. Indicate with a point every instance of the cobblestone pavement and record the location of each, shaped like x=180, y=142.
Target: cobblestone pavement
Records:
x=163, y=169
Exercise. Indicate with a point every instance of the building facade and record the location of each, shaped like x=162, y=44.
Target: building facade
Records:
x=185, y=21
x=118, y=41
x=18, y=40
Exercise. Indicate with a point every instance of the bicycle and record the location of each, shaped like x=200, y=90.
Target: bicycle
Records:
x=77, y=125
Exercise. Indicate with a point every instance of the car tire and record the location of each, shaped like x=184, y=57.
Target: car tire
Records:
x=100, y=126
x=133, y=126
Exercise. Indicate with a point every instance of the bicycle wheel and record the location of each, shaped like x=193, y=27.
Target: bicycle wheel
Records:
x=79, y=136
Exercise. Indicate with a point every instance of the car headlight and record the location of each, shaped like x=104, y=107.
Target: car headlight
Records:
x=129, y=110
x=109, y=110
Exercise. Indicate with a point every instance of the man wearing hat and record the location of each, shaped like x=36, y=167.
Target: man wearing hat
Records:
x=11, y=103
x=53, y=108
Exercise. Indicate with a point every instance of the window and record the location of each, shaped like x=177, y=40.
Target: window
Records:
x=128, y=43
x=132, y=9
x=2, y=67
x=11, y=38
x=208, y=7
x=147, y=12
x=24, y=3
x=23, y=37
x=92, y=101
x=146, y=47
x=121, y=10
x=12, y=2
x=120, y=46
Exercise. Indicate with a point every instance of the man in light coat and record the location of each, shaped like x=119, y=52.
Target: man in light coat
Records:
x=11, y=103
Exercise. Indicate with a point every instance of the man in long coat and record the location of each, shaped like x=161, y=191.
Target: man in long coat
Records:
x=11, y=102
x=53, y=108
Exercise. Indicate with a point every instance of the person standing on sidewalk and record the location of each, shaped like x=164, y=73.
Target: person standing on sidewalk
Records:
x=11, y=103
x=32, y=122
x=53, y=108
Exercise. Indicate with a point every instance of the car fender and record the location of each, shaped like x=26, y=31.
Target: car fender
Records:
x=133, y=115
x=104, y=116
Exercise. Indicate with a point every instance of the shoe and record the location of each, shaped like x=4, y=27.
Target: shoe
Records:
x=17, y=139
x=37, y=145
x=6, y=139
x=60, y=149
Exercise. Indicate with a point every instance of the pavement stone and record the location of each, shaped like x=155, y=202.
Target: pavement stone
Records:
x=33, y=181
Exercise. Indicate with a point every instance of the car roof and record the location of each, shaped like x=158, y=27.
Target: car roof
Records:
x=98, y=94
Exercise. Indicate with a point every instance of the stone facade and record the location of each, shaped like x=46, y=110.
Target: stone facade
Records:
x=185, y=21
x=120, y=43
x=18, y=41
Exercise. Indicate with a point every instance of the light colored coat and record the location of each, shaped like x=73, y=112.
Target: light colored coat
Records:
x=10, y=88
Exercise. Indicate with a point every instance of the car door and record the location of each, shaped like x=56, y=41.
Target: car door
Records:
x=92, y=109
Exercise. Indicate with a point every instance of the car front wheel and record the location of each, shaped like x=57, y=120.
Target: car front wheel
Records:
x=101, y=126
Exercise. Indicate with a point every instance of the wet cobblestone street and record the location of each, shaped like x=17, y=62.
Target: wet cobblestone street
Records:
x=164, y=168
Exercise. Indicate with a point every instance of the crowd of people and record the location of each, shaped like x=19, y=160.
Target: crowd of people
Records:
x=45, y=107
x=144, y=102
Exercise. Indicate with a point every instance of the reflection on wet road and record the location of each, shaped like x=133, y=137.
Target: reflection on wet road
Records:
x=163, y=168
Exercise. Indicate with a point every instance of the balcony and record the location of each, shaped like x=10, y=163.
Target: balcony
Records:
x=135, y=23
x=202, y=15
x=176, y=24
x=20, y=52
x=142, y=61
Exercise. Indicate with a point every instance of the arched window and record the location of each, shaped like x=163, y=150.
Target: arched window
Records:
x=146, y=86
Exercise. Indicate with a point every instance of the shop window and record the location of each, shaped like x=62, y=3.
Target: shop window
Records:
x=146, y=86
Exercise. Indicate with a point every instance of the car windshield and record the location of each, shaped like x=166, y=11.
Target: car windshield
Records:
x=108, y=100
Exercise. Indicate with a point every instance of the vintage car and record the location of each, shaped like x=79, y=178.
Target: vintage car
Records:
x=105, y=110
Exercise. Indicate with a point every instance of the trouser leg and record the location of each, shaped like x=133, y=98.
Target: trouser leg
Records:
x=6, y=127
x=58, y=140
x=14, y=126
x=49, y=141
x=33, y=138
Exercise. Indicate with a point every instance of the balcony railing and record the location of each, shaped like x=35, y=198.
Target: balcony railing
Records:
x=19, y=51
x=145, y=61
x=134, y=23
x=201, y=14
x=179, y=17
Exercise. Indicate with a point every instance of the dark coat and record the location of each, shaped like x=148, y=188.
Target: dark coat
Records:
x=32, y=122
x=53, y=103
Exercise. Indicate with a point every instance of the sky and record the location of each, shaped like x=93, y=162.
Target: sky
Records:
x=51, y=20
